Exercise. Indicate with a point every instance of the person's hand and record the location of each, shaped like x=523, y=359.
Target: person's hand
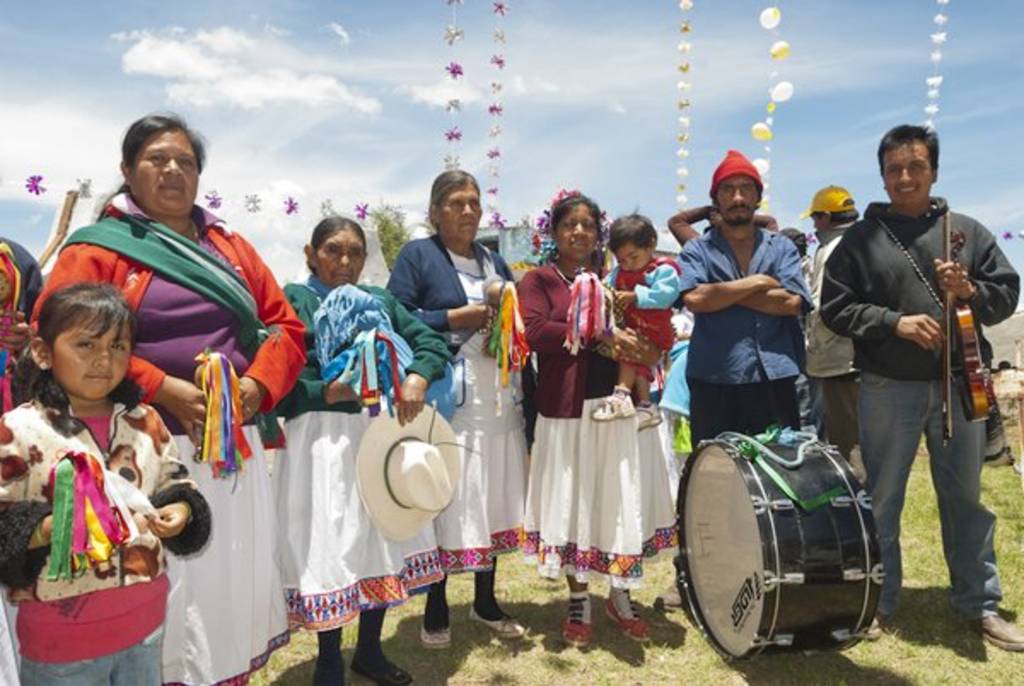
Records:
x=185, y=401
x=627, y=346
x=141, y=522
x=17, y=335
x=764, y=282
x=338, y=392
x=493, y=292
x=627, y=297
x=169, y=520
x=414, y=390
x=471, y=316
x=921, y=329
x=251, y=392
x=715, y=218
x=953, y=278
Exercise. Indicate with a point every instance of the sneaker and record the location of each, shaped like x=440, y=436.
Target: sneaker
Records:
x=648, y=417
x=635, y=627
x=436, y=640
x=506, y=627
x=669, y=600
x=1000, y=633
x=615, y=406
x=880, y=625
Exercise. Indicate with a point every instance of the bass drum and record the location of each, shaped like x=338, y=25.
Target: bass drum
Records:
x=772, y=558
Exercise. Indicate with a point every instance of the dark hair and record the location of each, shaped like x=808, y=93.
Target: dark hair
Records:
x=564, y=206
x=331, y=225
x=843, y=217
x=798, y=237
x=632, y=228
x=907, y=134
x=448, y=181
x=143, y=129
x=98, y=307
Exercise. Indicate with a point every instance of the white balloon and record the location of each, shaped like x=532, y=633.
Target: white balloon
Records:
x=770, y=18
x=762, y=165
x=782, y=91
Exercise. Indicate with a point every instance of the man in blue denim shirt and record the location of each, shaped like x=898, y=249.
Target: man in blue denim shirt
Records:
x=746, y=289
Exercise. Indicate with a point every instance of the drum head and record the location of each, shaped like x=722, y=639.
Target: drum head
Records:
x=723, y=549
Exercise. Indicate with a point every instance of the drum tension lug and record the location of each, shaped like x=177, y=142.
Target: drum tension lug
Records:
x=760, y=504
x=842, y=501
x=877, y=574
x=854, y=575
x=783, y=640
x=792, y=578
x=843, y=635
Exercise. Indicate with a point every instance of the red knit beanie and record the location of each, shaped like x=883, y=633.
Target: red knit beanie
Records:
x=735, y=164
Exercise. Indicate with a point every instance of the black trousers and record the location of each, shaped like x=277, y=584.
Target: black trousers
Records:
x=747, y=408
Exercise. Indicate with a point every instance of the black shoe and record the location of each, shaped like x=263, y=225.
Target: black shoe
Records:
x=392, y=676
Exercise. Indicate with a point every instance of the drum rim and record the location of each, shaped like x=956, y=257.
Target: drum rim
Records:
x=692, y=606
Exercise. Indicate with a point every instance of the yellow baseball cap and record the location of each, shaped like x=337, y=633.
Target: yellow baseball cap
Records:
x=830, y=199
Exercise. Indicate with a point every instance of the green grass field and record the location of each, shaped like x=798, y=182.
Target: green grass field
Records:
x=931, y=645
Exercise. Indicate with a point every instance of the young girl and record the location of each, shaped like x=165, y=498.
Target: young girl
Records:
x=648, y=286
x=100, y=623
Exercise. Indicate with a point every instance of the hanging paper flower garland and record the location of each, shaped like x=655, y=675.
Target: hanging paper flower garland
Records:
x=453, y=34
x=213, y=200
x=252, y=203
x=34, y=184
x=683, y=134
x=291, y=205
x=779, y=91
x=934, y=82
x=494, y=110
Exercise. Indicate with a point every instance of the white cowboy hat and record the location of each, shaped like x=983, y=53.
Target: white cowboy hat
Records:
x=407, y=474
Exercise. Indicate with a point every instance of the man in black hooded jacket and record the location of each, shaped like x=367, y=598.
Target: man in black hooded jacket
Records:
x=884, y=287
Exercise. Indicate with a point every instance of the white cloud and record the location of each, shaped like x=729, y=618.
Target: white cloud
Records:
x=438, y=94
x=339, y=31
x=226, y=66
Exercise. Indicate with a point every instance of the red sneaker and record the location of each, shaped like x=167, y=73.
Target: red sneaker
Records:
x=576, y=634
x=635, y=628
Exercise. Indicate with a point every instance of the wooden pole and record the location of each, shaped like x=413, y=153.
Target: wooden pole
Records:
x=62, y=229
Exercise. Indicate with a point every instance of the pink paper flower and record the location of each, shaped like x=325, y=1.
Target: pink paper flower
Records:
x=291, y=205
x=493, y=154
x=213, y=201
x=498, y=61
x=493, y=190
x=495, y=110
x=362, y=210
x=1007, y=235
x=453, y=134
x=34, y=184
x=454, y=70
x=497, y=221
x=500, y=8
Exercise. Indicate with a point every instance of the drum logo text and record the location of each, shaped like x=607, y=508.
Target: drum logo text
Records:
x=749, y=591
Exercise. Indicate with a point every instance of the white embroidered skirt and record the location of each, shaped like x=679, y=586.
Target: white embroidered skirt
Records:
x=486, y=514
x=225, y=611
x=8, y=644
x=334, y=561
x=598, y=501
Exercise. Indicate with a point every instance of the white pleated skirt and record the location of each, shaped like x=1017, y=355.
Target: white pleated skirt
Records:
x=8, y=644
x=334, y=561
x=598, y=501
x=485, y=517
x=226, y=611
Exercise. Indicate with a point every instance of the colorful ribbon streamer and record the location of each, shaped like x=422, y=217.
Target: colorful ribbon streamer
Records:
x=224, y=444
x=507, y=342
x=589, y=315
x=87, y=526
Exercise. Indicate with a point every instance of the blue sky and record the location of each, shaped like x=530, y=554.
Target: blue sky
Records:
x=291, y=108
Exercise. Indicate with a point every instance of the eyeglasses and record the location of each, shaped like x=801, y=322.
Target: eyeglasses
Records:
x=185, y=163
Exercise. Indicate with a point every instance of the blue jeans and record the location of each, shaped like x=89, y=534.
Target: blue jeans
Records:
x=893, y=415
x=138, y=665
